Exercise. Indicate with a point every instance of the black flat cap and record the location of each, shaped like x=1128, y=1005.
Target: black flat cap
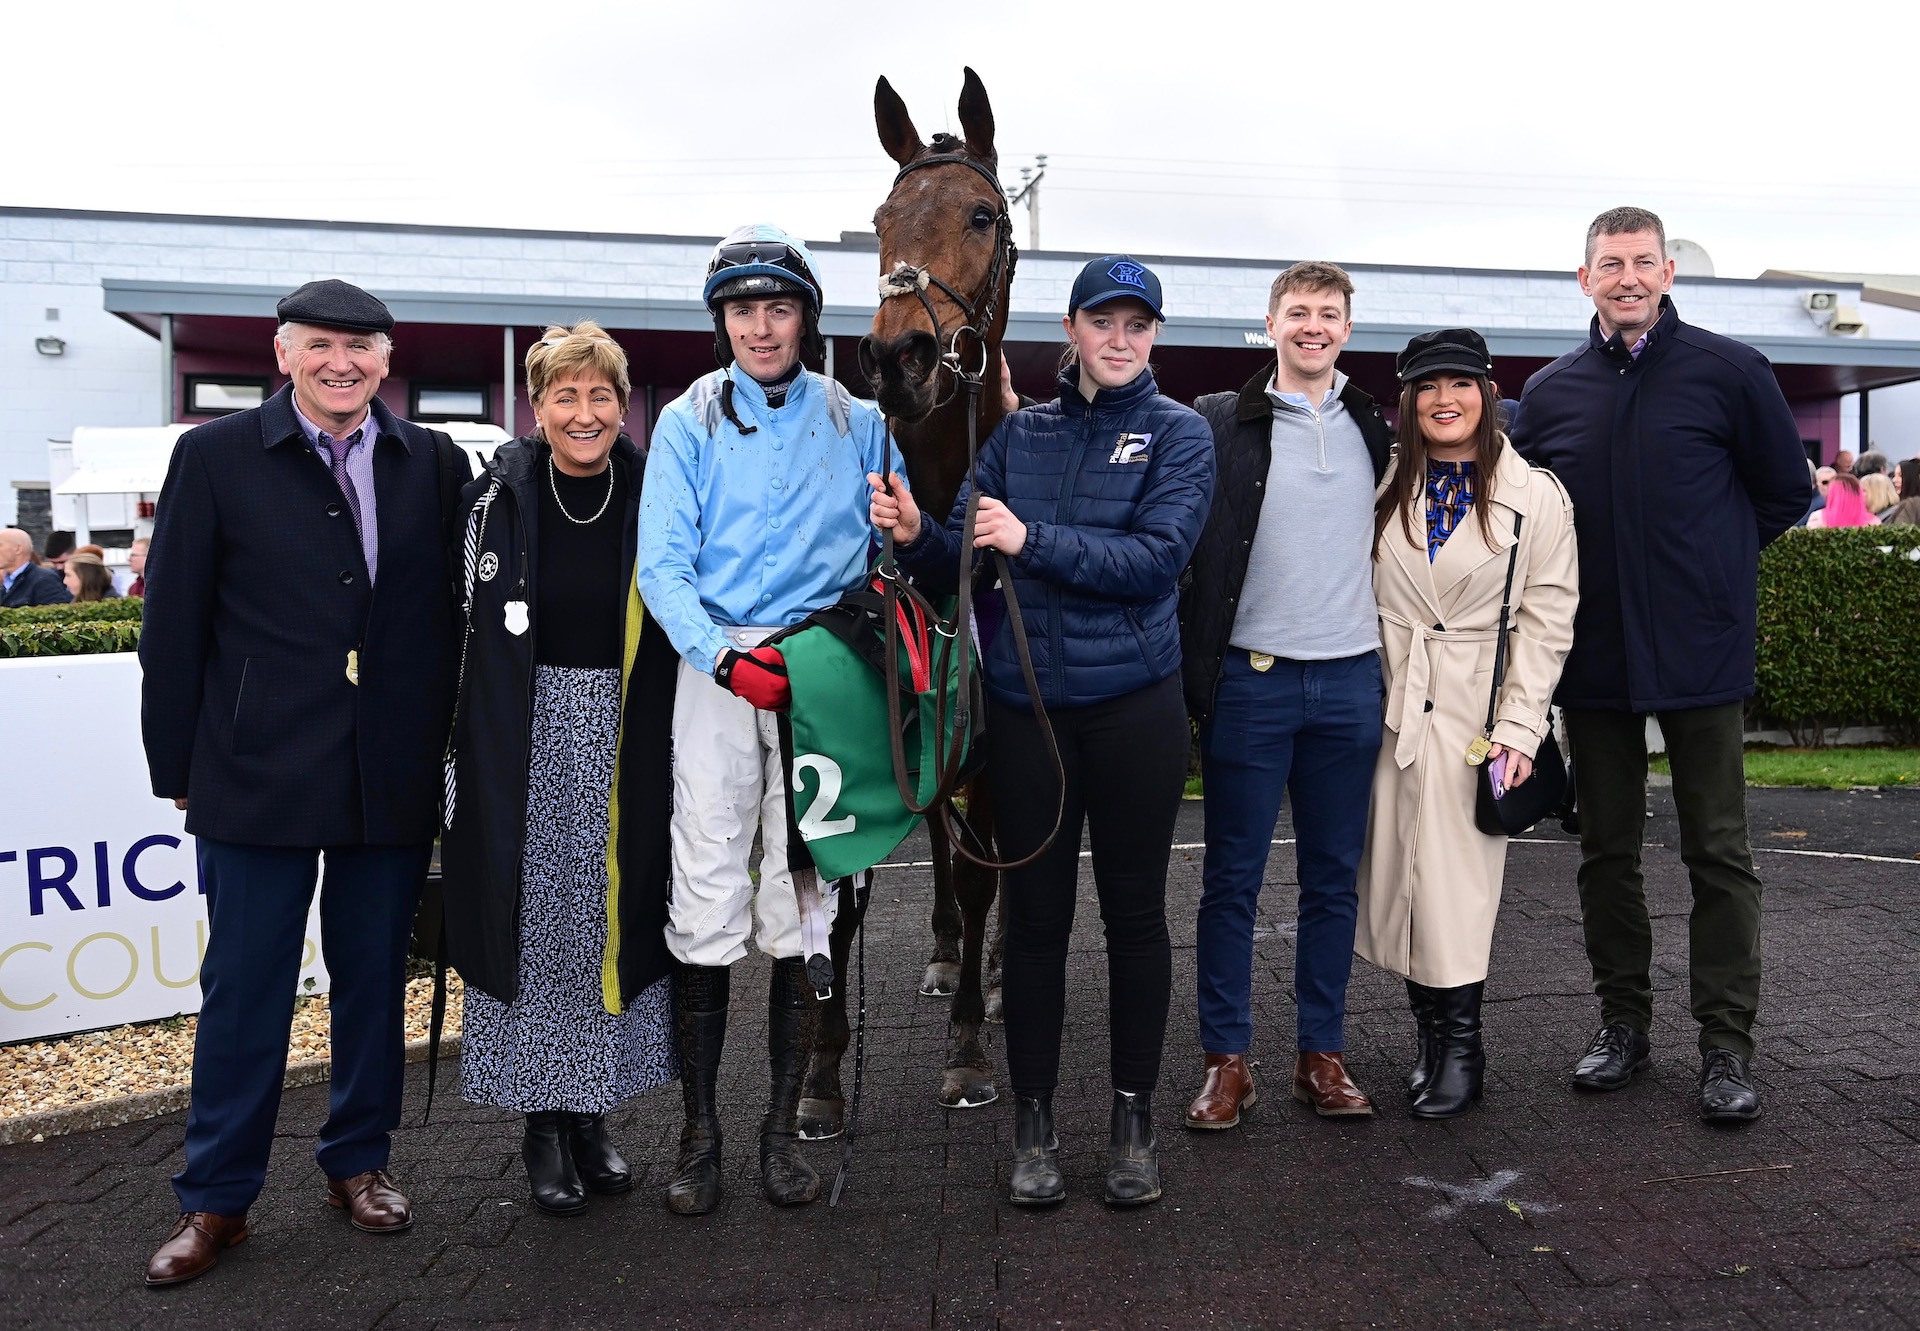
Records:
x=1459, y=349
x=331, y=303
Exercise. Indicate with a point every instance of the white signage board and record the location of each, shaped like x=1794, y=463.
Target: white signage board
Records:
x=102, y=917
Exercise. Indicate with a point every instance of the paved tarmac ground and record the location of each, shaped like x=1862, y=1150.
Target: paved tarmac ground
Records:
x=1539, y=1208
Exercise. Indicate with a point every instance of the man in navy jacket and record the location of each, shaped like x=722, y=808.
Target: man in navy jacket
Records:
x=1683, y=460
x=298, y=651
x=23, y=582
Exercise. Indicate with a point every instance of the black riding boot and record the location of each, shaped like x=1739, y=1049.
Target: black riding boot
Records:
x=1427, y=1049
x=600, y=1166
x=1036, y=1177
x=700, y=1029
x=1461, y=1064
x=1133, y=1165
x=793, y=1017
x=557, y=1189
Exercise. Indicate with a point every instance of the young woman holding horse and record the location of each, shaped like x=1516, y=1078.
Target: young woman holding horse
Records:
x=1463, y=515
x=1096, y=500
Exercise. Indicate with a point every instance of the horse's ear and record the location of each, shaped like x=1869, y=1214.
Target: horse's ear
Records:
x=897, y=134
x=976, y=119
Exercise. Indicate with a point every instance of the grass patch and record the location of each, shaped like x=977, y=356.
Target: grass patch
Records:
x=1825, y=769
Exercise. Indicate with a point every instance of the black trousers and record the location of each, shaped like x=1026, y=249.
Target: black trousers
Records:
x=1710, y=795
x=1126, y=764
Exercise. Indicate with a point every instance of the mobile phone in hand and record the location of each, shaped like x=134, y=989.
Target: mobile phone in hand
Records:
x=1498, y=771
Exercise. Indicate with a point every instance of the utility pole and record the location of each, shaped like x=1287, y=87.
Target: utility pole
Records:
x=1029, y=193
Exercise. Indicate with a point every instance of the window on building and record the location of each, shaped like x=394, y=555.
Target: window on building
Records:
x=222, y=394
x=449, y=402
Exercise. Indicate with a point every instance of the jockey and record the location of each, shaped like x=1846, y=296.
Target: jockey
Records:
x=754, y=516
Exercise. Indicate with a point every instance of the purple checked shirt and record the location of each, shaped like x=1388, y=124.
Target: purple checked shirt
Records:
x=359, y=446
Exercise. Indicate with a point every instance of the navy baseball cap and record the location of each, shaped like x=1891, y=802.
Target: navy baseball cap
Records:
x=1113, y=277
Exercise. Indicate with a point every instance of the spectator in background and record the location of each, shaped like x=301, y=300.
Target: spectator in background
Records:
x=1906, y=480
x=1843, y=462
x=1845, y=507
x=23, y=582
x=59, y=549
x=1822, y=478
x=87, y=577
x=137, y=565
x=1876, y=490
x=1872, y=463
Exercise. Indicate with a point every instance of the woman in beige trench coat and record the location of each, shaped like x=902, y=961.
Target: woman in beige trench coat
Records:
x=1430, y=879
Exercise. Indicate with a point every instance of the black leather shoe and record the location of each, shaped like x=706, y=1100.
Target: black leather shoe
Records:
x=1616, y=1053
x=556, y=1185
x=600, y=1166
x=1133, y=1165
x=1726, y=1088
x=1036, y=1180
x=1459, y=1064
x=1426, y=1048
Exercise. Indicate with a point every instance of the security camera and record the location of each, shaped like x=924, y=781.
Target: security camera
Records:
x=1820, y=302
x=1846, y=322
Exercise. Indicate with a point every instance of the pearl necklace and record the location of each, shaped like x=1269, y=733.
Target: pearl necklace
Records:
x=555, y=486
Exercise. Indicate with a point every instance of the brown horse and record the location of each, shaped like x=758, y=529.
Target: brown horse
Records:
x=946, y=261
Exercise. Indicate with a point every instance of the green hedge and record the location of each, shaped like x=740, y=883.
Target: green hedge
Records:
x=1840, y=631
x=71, y=630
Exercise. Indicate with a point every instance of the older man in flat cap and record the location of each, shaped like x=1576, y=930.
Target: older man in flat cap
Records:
x=299, y=658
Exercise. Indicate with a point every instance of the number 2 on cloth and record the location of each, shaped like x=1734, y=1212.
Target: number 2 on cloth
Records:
x=814, y=823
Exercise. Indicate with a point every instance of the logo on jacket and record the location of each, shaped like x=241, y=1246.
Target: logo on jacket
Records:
x=489, y=565
x=1132, y=274
x=1130, y=448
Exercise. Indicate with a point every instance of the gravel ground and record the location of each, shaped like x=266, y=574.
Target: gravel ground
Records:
x=154, y=1056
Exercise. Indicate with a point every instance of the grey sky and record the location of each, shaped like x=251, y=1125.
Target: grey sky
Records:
x=1775, y=135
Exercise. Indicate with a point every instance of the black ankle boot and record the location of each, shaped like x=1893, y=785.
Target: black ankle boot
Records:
x=557, y=1189
x=1133, y=1165
x=1420, y=999
x=700, y=996
x=1461, y=1065
x=1036, y=1177
x=792, y=1019
x=600, y=1166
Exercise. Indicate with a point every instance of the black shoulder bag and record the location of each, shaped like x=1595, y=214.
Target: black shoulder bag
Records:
x=1521, y=806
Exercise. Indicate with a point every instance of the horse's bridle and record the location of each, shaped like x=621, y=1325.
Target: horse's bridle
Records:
x=908, y=279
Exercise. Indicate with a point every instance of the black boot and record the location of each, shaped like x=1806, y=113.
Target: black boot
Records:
x=1420, y=999
x=1461, y=1063
x=700, y=1029
x=1133, y=1166
x=793, y=1017
x=600, y=1166
x=557, y=1189
x=1036, y=1177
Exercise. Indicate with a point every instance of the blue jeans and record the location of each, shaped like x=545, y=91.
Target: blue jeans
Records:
x=1311, y=729
x=257, y=900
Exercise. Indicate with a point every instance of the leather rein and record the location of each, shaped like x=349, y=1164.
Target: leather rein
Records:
x=951, y=727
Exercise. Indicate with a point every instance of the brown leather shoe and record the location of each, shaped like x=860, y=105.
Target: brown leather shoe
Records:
x=1321, y=1080
x=371, y=1202
x=194, y=1247
x=1227, y=1090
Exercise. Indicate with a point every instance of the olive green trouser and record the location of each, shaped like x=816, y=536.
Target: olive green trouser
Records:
x=1709, y=791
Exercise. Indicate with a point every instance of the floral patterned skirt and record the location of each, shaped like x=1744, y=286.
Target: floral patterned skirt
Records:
x=556, y=1046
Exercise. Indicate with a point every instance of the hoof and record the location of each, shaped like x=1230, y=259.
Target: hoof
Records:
x=942, y=979
x=821, y=1120
x=996, y=1010
x=967, y=1088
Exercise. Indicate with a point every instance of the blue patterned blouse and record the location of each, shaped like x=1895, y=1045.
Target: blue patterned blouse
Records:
x=1449, y=500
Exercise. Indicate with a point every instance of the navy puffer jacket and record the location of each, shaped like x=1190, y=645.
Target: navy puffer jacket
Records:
x=1113, y=493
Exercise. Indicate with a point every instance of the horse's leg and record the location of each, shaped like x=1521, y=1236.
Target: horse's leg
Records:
x=942, y=976
x=823, y=1108
x=968, y=1082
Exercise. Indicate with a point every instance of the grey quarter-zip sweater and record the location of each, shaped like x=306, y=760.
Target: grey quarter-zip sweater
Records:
x=1309, y=589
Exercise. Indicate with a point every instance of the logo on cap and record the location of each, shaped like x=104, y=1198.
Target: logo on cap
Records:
x=1132, y=274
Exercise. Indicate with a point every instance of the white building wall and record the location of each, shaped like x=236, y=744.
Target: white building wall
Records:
x=111, y=373
x=1893, y=414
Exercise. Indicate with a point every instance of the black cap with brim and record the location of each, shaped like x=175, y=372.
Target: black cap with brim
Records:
x=331, y=303
x=1457, y=349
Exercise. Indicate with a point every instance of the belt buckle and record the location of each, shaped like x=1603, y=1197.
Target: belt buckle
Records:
x=1260, y=661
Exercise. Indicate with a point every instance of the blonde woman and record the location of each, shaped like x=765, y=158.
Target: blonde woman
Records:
x=1464, y=517
x=1879, y=494
x=555, y=855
